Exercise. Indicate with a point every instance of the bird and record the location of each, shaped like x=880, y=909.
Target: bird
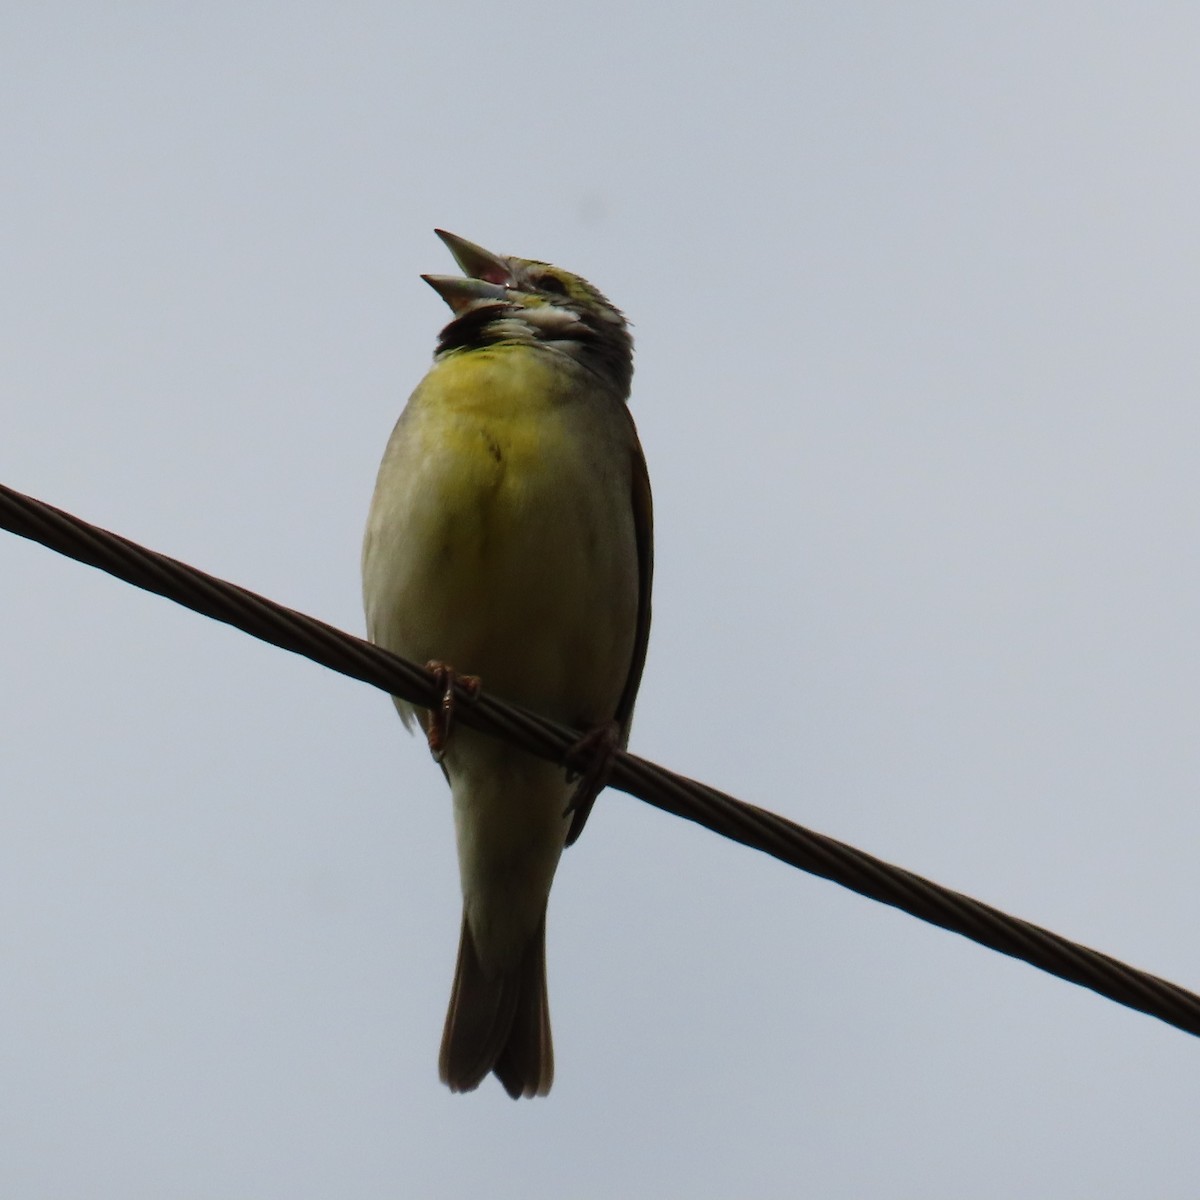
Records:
x=509, y=546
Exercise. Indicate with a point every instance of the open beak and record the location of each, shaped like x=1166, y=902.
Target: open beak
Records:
x=488, y=276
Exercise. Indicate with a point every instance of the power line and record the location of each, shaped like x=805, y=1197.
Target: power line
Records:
x=723, y=814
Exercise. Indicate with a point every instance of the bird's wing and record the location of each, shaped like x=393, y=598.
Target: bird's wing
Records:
x=643, y=525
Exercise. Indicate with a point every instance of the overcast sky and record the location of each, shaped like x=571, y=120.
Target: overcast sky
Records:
x=915, y=290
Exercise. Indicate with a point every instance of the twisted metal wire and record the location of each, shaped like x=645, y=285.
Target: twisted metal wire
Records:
x=723, y=814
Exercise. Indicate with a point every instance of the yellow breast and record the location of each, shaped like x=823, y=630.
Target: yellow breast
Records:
x=501, y=536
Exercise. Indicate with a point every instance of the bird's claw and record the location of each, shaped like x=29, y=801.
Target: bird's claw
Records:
x=589, y=761
x=440, y=723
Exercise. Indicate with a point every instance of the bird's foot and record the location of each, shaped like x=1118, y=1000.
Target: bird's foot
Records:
x=441, y=718
x=590, y=762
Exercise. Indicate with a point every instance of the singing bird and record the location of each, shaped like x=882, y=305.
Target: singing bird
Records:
x=510, y=539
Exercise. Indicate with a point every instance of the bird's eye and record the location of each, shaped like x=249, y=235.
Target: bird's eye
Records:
x=552, y=284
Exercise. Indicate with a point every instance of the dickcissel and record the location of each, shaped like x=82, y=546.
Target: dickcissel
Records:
x=509, y=537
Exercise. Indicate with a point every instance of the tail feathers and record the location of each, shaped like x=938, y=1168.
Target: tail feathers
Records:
x=500, y=1023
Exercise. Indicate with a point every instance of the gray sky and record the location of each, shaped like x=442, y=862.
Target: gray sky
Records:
x=915, y=290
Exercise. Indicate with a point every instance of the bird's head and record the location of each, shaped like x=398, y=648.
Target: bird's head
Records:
x=505, y=299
